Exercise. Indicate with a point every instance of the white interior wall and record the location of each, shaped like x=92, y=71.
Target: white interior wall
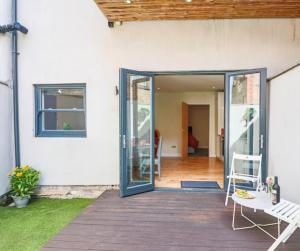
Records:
x=69, y=42
x=6, y=119
x=284, y=136
x=168, y=118
x=220, y=113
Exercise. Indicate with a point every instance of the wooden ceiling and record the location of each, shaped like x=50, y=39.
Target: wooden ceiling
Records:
x=140, y=10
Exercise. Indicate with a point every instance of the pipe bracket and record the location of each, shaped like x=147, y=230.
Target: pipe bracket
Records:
x=13, y=27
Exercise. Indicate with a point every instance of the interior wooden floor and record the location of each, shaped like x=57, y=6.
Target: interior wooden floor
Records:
x=175, y=170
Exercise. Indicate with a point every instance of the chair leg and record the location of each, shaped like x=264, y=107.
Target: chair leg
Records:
x=228, y=191
x=234, y=185
x=158, y=167
x=283, y=237
x=290, y=234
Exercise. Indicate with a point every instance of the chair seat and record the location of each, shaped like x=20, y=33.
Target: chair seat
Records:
x=288, y=212
x=243, y=177
x=285, y=210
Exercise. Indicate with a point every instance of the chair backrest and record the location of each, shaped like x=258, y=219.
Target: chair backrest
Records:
x=159, y=149
x=249, y=158
x=246, y=157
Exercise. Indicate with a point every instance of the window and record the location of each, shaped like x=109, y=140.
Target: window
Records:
x=60, y=110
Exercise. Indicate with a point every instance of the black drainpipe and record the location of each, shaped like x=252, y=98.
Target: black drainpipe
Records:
x=14, y=28
x=15, y=84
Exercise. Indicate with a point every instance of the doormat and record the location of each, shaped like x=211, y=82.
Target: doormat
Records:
x=199, y=152
x=200, y=184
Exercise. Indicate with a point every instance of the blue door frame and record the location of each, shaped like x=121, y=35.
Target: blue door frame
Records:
x=124, y=191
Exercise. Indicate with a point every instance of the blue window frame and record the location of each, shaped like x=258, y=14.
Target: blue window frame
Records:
x=60, y=110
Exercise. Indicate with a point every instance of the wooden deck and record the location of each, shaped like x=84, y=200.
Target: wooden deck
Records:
x=165, y=221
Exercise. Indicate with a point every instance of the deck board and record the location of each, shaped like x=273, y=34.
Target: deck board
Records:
x=165, y=221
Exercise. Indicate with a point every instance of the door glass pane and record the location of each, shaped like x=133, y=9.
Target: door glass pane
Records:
x=244, y=126
x=139, y=130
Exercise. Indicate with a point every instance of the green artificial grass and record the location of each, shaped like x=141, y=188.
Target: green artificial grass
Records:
x=28, y=229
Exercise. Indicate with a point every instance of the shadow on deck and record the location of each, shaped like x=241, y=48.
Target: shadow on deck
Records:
x=165, y=221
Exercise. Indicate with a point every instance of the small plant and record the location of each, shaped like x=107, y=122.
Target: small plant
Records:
x=67, y=126
x=23, y=181
x=270, y=183
x=248, y=115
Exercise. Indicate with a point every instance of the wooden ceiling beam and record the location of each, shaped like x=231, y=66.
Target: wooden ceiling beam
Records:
x=141, y=10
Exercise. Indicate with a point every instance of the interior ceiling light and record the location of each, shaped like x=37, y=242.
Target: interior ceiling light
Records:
x=214, y=87
x=188, y=1
x=128, y=1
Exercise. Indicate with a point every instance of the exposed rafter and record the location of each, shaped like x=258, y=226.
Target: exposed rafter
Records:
x=140, y=10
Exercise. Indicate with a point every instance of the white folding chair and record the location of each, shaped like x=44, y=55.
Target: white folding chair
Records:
x=145, y=163
x=158, y=159
x=236, y=174
x=288, y=212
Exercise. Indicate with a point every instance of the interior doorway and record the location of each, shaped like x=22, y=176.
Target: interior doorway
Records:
x=198, y=130
x=187, y=120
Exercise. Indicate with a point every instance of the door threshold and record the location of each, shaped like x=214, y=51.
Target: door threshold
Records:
x=188, y=190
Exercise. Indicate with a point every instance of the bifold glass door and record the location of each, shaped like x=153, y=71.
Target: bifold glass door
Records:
x=245, y=123
x=136, y=132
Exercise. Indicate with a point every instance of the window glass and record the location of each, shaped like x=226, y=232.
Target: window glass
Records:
x=60, y=98
x=63, y=121
x=60, y=110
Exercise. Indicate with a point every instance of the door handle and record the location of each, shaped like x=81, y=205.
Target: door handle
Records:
x=124, y=141
x=261, y=141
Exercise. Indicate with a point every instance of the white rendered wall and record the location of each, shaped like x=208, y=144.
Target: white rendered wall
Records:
x=69, y=42
x=168, y=119
x=284, y=136
x=6, y=103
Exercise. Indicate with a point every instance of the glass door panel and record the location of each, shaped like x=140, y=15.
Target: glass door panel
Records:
x=246, y=120
x=137, y=132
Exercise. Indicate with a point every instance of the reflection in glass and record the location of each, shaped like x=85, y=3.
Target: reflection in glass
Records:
x=139, y=130
x=62, y=98
x=63, y=109
x=63, y=121
x=244, y=119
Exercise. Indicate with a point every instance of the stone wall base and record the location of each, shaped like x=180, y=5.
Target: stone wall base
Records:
x=70, y=192
x=5, y=199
